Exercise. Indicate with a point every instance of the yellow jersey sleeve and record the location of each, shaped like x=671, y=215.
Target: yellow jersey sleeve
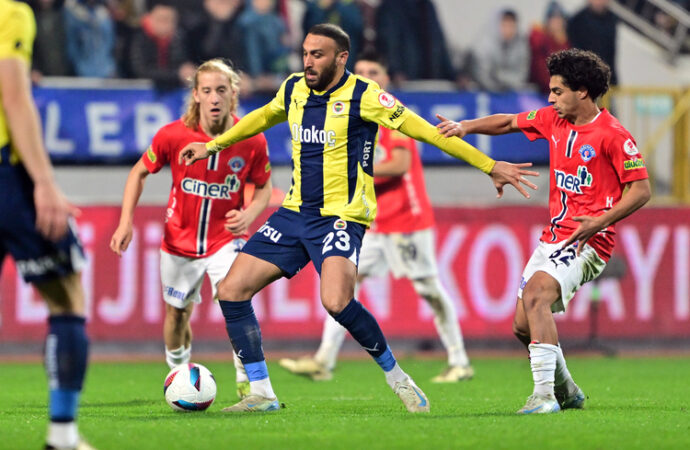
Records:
x=17, y=30
x=382, y=107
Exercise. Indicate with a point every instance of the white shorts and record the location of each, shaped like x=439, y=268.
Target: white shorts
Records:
x=569, y=270
x=182, y=276
x=405, y=255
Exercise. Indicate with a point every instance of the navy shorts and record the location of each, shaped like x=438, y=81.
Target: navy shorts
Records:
x=290, y=240
x=37, y=259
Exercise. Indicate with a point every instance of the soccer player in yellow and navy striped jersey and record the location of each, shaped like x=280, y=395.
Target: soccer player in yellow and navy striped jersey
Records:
x=333, y=118
x=35, y=225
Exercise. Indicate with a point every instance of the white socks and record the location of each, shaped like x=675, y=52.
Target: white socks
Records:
x=445, y=318
x=178, y=356
x=562, y=375
x=63, y=435
x=240, y=373
x=262, y=388
x=543, y=361
x=395, y=375
x=331, y=341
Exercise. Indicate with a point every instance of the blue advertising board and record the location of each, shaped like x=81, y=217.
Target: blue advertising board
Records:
x=100, y=126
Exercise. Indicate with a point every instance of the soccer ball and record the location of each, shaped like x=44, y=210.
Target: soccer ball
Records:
x=189, y=387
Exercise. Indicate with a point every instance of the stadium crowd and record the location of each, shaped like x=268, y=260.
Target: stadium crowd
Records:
x=164, y=40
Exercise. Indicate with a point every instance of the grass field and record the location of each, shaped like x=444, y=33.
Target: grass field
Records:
x=633, y=403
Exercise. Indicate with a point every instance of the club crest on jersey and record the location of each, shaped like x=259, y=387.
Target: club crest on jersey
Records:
x=236, y=163
x=340, y=224
x=338, y=107
x=386, y=100
x=630, y=148
x=531, y=115
x=587, y=152
x=573, y=183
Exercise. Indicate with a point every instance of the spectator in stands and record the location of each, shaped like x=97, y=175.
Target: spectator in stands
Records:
x=126, y=15
x=158, y=50
x=218, y=34
x=50, y=55
x=410, y=37
x=345, y=13
x=265, y=44
x=544, y=40
x=90, y=38
x=501, y=62
x=594, y=28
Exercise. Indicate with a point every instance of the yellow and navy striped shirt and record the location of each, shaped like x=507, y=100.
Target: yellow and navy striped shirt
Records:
x=333, y=139
x=17, y=33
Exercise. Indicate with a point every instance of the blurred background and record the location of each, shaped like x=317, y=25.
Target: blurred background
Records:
x=109, y=73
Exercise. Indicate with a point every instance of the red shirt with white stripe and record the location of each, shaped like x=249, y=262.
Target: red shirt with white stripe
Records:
x=589, y=167
x=403, y=204
x=202, y=193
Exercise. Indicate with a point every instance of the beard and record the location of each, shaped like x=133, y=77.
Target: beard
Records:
x=324, y=79
x=218, y=127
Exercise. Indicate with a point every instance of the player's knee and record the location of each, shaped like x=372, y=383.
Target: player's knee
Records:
x=231, y=290
x=334, y=303
x=536, y=295
x=178, y=315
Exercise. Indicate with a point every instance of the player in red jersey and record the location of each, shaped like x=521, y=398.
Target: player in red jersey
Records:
x=205, y=224
x=401, y=240
x=592, y=160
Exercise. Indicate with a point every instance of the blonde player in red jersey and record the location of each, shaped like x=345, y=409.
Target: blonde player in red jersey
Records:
x=401, y=240
x=205, y=224
x=592, y=160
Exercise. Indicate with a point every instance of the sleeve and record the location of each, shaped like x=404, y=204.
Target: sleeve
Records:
x=158, y=153
x=537, y=124
x=626, y=159
x=17, y=32
x=260, y=171
x=382, y=108
x=400, y=140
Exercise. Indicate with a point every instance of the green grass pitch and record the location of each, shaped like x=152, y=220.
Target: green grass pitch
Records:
x=632, y=403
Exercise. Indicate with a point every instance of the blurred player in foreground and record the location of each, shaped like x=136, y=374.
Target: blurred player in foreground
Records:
x=401, y=240
x=205, y=223
x=592, y=160
x=37, y=228
x=333, y=117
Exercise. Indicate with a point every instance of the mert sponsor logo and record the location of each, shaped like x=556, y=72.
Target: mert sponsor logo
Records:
x=340, y=224
x=633, y=164
x=386, y=100
x=312, y=135
x=270, y=232
x=268, y=167
x=151, y=155
x=236, y=163
x=573, y=183
x=630, y=148
x=397, y=113
x=338, y=107
x=211, y=190
x=587, y=152
x=531, y=115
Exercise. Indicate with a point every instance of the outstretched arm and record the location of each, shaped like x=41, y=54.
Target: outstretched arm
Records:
x=133, y=189
x=492, y=125
x=638, y=194
x=253, y=123
x=501, y=172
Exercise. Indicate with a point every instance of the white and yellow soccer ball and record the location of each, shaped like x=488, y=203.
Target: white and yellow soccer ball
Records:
x=189, y=387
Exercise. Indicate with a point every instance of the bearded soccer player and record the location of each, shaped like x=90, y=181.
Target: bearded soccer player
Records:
x=592, y=160
x=205, y=223
x=401, y=240
x=37, y=229
x=334, y=117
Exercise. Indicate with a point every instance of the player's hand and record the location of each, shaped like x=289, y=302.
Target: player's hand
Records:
x=449, y=128
x=52, y=211
x=193, y=152
x=121, y=238
x=507, y=173
x=237, y=222
x=589, y=226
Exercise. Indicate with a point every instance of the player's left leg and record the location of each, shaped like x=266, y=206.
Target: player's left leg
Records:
x=177, y=334
x=338, y=276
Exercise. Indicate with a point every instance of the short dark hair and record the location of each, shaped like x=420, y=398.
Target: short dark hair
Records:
x=581, y=69
x=342, y=40
x=509, y=14
x=369, y=54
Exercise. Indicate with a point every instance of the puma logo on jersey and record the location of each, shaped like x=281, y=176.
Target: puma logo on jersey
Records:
x=312, y=135
x=212, y=190
x=573, y=183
